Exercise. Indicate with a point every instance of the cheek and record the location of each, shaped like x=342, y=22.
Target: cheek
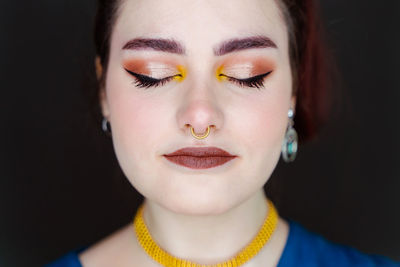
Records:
x=136, y=119
x=262, y=135
x=261, y=125
x=263, y=117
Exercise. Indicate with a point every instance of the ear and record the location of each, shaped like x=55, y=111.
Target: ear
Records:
x=105, y=110
x=102, y=92
x=293, y=102
x=99, y=67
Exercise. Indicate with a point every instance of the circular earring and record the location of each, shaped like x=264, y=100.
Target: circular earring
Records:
x=106, y=127
x=290, y=143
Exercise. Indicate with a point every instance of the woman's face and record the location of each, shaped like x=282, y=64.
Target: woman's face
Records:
x=217, y=63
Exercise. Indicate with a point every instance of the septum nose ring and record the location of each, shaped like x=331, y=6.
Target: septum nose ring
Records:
x=200, y=136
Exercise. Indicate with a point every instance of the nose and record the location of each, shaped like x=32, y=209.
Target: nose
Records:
x=199, y=109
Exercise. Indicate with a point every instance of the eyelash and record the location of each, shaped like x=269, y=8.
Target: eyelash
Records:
x=144, y=81
x=255, y=81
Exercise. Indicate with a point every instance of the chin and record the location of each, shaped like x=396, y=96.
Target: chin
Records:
x=200, y=202
x=195, y=194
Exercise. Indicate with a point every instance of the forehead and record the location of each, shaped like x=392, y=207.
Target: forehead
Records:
x=199, y=23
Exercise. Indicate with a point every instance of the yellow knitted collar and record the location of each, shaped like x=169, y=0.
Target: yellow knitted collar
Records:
x=243, y=256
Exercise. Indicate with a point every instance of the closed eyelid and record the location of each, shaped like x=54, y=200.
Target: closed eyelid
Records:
x=145, y=81
x=244, y=66
x=139, y=75
x=154, y=67
x=241, y=74
x=254, y=77
x=254, y=81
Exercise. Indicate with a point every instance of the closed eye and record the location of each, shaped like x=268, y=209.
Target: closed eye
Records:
x=144, y=81
x=255, y=81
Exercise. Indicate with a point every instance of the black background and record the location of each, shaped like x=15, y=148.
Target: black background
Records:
x=61, y=186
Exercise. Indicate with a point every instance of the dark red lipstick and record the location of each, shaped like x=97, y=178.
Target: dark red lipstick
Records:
x=200, y=157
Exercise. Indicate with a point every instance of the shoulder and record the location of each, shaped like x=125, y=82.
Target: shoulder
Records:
x=118, y=249
x=114, y=250
x=69, y=260
x=304, y=248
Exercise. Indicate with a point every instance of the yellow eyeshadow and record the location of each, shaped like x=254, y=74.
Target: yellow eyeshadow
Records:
x=219, y=74
x=182, y=74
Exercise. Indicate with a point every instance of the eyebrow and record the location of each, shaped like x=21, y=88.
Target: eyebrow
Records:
x=234, y=45
x=163, y=45
x=172, y=46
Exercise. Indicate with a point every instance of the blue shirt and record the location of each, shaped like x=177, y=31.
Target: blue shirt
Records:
x=303, y=248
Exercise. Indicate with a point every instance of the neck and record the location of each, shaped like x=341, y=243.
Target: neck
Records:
x=206, y=239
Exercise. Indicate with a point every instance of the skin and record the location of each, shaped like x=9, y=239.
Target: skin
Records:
x=197, y=214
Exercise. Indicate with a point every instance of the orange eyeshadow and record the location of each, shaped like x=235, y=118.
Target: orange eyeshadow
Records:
x=258, y=65
x=161, y=68
x=138, y=66
x=262, y=66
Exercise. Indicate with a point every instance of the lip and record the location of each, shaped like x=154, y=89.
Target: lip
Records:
x=200, y=157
